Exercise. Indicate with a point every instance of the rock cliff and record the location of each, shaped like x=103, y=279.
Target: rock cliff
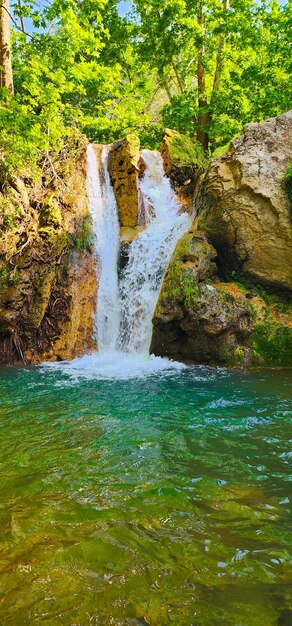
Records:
x=199, y=318
x=244, y=208
x=47, y=273
x=242, y=233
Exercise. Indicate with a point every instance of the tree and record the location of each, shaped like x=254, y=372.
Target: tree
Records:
x=6, y=76
x=202, y=67
x=223, y=62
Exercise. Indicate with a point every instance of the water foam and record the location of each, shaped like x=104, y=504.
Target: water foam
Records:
x=123, y=319
x=149, y=256
x=115, y=365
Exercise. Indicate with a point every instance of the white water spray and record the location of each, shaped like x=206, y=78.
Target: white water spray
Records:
x=125, y=308
x=103, y=208
x=149, y=256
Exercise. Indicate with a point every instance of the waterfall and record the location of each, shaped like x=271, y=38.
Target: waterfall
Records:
x=149, y=256
x=125, y=305
x=103, y=208
x=124, y=311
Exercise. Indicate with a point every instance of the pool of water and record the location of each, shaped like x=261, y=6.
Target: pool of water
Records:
x=154, y=500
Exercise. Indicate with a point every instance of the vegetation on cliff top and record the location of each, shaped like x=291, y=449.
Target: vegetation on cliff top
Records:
x=183, y=151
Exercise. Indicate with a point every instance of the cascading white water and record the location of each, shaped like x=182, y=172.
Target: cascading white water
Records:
x=149, y=256
x=103, y=208
x=125, y=308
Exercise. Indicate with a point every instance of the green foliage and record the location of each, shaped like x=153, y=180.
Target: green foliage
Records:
x=86, y=69
x=272, y=343
x=10, y=213
x=150, y=136
x=255, y=67
x=288, y=181
x=84, y=239
x=184, y=151
x=180, y=113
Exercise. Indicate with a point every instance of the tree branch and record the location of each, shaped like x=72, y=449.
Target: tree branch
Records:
x=14, y=22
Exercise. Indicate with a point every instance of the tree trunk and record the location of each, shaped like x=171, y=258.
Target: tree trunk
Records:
x=166, y=87
x=203, y=113
x=6, y=76
x=20, y=16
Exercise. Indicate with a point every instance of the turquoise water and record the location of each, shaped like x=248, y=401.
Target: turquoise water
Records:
x=157, y=500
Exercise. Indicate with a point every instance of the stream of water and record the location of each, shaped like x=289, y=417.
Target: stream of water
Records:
x=103, y=208
x=149, y=256
x=125, y=307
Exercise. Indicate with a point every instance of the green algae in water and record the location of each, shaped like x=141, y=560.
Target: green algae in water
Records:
x=160, y=500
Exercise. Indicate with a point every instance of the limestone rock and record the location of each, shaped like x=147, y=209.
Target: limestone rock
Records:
x=199, y=318
x=47, y=273
x=124, y=168
x=243, y=205
x=70, y=313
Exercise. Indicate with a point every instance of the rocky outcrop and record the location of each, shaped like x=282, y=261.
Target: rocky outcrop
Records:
x=243, y=205
x=47, y=272
x=67, y=324
x=124, y=169
x=199, y=318
x=184, y=162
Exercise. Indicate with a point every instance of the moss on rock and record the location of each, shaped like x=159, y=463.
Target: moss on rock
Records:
x=199, y=318
x=184, y=161
x=45, y=234
x=50, y=215
x=271, y=343
x=183, y=151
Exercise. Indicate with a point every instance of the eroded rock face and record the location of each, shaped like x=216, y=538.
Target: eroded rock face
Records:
x=244, y=208
x=47, y=274
x=68, y=319
x=124, y=168
x=199, y=318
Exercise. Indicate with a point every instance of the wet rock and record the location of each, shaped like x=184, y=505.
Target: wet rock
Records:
x=199, y=318
x=124, y=169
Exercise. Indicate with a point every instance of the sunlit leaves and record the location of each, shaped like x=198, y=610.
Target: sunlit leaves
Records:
x=84, y=65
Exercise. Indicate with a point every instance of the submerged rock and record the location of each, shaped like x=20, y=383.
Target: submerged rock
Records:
x=243, y=205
